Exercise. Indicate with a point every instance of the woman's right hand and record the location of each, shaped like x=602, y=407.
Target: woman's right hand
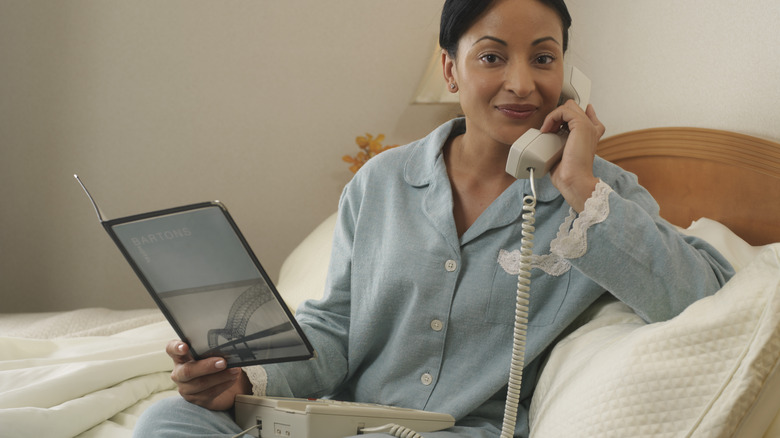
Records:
x=207, y=383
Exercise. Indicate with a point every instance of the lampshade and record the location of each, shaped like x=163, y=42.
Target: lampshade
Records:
x=433, y=87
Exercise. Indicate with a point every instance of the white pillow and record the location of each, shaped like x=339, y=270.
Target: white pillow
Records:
x=738, y=252
x=304, y=271
x=709, y=372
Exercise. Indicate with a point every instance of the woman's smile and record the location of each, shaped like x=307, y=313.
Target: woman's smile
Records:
x=517, y=111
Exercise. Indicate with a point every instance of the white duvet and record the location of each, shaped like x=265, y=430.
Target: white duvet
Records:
x=82, y=386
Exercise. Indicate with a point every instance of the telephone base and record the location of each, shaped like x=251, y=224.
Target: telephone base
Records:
x=280, y=417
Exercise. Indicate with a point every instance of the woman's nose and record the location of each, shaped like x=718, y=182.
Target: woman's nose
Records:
x=519, y=80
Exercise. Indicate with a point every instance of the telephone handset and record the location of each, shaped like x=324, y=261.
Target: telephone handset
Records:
x=541, y=151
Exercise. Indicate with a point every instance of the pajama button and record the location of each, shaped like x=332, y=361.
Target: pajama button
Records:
x=451, y=265
x=437, y=325
x=426, y=379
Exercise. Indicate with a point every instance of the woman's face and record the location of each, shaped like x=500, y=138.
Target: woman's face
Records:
x=509, y=70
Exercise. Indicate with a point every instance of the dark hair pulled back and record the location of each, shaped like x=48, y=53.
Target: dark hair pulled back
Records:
x=457, y=16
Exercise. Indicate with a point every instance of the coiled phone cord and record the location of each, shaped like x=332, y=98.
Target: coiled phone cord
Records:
x=395, y=430
x=521, y=313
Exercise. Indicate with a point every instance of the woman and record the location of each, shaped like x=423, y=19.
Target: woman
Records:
x=419, y=304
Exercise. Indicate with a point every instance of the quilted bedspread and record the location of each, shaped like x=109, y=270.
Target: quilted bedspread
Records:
x=710, y=372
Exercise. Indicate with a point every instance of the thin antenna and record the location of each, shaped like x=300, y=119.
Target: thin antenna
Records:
x=94, y=204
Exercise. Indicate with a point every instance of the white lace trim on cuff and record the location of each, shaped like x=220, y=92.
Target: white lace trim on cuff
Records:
x=572, y=239
x=258, y=378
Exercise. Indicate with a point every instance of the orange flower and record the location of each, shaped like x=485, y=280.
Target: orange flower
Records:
x=370, y=147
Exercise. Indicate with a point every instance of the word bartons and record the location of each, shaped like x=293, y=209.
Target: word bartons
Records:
x=161, y=236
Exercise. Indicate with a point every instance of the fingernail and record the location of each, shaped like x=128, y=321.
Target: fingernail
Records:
x=220, y=364
x=180, y=348
x=234, y=370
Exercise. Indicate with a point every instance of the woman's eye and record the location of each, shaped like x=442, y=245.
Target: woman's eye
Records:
x=490, y=59
x=545, y=59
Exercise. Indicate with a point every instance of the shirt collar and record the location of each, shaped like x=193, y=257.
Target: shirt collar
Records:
x=419, y=168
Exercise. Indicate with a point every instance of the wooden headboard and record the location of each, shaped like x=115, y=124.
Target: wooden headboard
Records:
x=693, y=173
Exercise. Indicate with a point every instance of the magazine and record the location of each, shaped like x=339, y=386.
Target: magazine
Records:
x=204, y=277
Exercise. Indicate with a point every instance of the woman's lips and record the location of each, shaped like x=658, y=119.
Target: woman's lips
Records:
x=517, y=111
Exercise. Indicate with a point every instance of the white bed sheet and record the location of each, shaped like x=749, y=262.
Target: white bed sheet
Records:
x=75, y=323
x=86, y=386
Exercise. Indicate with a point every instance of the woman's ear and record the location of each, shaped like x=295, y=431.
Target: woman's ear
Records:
x=450, y=71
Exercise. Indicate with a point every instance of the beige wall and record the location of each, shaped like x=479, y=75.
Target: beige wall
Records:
x=702, y=63
x=158, y=104
x=163, y=103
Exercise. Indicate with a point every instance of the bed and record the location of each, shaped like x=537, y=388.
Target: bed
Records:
x=713, y=371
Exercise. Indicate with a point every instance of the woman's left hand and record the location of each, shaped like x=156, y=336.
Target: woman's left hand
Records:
x=573, y=175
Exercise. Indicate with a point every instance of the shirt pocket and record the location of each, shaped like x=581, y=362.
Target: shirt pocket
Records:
x=547, y=295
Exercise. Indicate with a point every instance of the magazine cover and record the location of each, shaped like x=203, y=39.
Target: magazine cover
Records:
x=206, y=280
x=202, y=274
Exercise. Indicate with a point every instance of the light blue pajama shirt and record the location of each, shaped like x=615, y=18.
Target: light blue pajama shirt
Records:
x=415, y=316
